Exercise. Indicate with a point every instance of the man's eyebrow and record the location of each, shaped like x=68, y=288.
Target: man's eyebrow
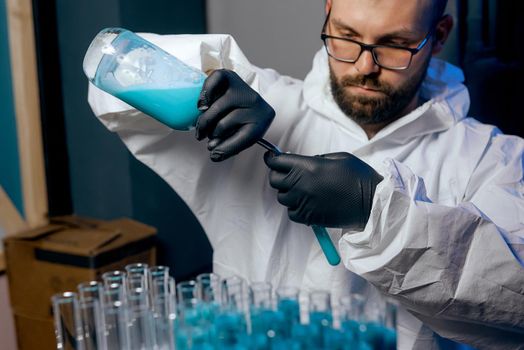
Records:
x=402, y=33
x=338, y=23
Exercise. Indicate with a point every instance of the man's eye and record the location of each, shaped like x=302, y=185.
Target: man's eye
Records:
x=396, y=43
x=347, y=35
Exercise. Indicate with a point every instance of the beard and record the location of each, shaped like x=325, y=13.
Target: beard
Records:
x=366, y=110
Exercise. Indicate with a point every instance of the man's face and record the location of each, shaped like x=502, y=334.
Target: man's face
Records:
x=364, y=91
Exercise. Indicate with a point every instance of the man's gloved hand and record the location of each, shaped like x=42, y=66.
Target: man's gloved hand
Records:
x=234, y=115
x=332, y=190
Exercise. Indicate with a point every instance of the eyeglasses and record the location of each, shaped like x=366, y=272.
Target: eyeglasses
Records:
x=393, y=57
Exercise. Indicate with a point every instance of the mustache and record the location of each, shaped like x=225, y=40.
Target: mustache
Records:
x=368, y=81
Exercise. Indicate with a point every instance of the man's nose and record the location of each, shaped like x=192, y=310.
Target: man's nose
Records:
x=365, y=64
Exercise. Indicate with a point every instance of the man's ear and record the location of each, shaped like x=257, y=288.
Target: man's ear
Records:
x=442, y=30
x=328, y=6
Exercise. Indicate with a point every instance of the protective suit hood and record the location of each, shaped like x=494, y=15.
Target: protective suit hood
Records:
x=443, y=88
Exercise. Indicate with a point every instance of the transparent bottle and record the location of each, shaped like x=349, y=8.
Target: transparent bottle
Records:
x=146, y=77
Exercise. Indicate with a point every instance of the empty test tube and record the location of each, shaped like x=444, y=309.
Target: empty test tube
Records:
x=68, y=326
x=116, y=317
x=139, y=269
x=90, y=294
x=141, y=322
x=163, y=309
x=116, y=277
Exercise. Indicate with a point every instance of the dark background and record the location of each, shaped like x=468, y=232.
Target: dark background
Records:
x=88, y=169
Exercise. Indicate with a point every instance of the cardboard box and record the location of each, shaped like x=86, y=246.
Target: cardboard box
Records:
x=34, y=333
x=57, y=257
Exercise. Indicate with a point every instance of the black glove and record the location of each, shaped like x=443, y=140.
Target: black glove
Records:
x=235, y=116
x=332, y=190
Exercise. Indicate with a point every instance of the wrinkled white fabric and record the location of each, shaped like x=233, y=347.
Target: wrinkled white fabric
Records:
x=445, y=236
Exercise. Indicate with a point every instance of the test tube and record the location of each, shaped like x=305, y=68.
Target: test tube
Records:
x=231, y=323
x=116, y=277
x=208, y=287
x=193, y=329
x=139, y=269
x=320, y=317
x=208, y=293
x=137, y=281
x=91, y=315
x=266, y=323
x=161, y=275
x=288, y=305
x=163, y=307
x=235, y=294
x=390, y=324
x=261, y=296
x=171, y=298
x=352, y=319
x=141, y=323
x=68, y=326
x=115, y=317
x=188, y=303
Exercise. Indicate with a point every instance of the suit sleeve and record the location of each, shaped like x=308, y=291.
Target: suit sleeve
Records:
x=458, y=269
x=176, y=156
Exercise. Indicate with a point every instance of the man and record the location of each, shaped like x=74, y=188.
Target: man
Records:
x=426, y=204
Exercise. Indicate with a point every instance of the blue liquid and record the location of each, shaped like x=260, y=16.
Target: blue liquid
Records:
x=175, y=107
x=231, y=333
x=334, y=340
x=351, y=330
x=291, y=311
x=267, y=330
x=319, y=324
x=194, y=338
x=300, y=339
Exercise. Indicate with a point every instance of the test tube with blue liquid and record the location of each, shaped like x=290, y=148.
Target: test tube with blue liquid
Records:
x=231, y=323
x=208, y=288
x=267, y=324
x=320, y=318
x=136, y=309
x=288, y=305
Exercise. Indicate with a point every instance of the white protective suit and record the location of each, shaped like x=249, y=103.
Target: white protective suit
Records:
x=445, y=235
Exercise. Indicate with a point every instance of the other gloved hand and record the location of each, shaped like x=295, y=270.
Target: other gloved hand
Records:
x=235, y=116
x=332, y=190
